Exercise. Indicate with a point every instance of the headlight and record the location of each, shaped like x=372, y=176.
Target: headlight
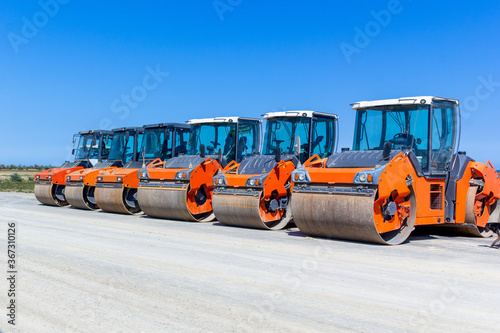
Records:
x=37, y=176
x=119, y=179
x=253, y=182
x=81, y=177
x=99, y=179
x=180, y=175
x=300, y=176
x=368, y=176
x=50, y=177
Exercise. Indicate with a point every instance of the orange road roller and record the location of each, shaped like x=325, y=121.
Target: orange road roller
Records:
x=50, y=185
x=116, y=189
x=405, y=170
x=80, y=184
x=257, y=192
x=182, y=187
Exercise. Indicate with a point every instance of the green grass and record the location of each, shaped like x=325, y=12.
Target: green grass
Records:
x=22, y=186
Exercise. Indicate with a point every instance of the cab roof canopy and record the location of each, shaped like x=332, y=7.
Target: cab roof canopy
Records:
x=423, y=100
x=297, y=113
x=122, y=129
x=169, y=125
x=220, y=120
x=95, y=132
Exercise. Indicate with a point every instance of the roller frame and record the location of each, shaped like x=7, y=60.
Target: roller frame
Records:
x=111, y=198
x=242, y=209
x=346, y=216
x=169, y=202
x=77, y=198
x=45, y=193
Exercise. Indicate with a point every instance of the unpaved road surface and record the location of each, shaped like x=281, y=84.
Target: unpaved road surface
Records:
x=82, y=271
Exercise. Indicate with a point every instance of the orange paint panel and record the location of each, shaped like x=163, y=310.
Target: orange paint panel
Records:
x=129, y=176
x=333, y=175
x=58, y=175
x=202, y=177
x=162, y=174
x=234, y=180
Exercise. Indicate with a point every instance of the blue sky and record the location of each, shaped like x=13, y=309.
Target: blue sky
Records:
x=70, y=65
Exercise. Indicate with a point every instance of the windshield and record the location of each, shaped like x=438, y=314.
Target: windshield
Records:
x=248, y=139
x=402, y=126
x=107, y=140
x=121, y=149
x=181, y=141
x=84, y=147
x=214, y=136
x=281, y=133
x=156, y=146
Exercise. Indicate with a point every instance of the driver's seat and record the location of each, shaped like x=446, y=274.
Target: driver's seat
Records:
x=403, y=140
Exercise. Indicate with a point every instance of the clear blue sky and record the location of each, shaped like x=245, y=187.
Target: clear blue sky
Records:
x=67, y=69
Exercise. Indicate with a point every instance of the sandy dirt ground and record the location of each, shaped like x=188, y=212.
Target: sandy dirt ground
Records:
x=82, y=271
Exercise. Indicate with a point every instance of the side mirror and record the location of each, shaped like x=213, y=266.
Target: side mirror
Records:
x=296, y=147
x=73, y=151
x=202, y=150
x=277, y=155
x=127, y=135
x=387, y=150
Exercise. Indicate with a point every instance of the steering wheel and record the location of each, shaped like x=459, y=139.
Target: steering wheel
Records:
x=400, y=135
x=279, y=142
x=402, y=139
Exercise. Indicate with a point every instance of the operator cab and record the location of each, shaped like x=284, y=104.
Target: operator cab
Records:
x=284, y=128
x=124, y=146
x=425, y=125
x=235, y=138
x=164, y=141
x=92, y=147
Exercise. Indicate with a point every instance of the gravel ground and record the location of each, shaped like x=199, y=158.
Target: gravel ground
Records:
x=82, y=271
